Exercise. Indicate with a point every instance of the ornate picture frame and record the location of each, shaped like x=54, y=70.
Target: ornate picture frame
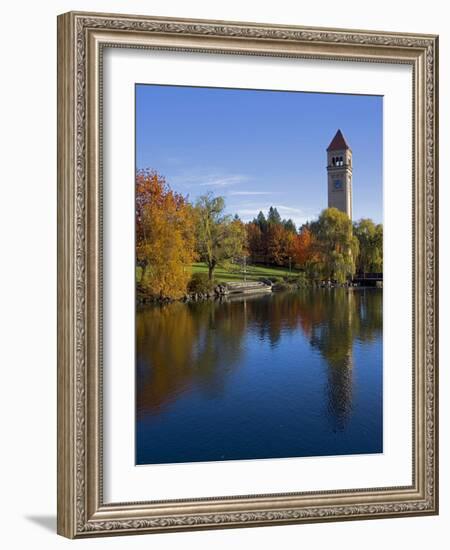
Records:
x=82, y=38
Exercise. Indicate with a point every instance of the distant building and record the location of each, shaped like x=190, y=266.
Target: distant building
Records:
x=339, y=168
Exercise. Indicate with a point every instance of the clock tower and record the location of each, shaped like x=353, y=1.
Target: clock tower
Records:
x=339, y=168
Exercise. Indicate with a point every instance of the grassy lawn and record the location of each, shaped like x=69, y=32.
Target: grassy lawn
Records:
x=254, y=272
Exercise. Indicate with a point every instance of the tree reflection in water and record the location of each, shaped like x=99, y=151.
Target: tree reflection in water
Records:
x=339, y=318
x=183, y=347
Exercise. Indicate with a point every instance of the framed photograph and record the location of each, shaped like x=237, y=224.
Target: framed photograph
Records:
x=247, y=276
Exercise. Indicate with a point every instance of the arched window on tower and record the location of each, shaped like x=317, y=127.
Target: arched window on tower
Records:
x=337, y=161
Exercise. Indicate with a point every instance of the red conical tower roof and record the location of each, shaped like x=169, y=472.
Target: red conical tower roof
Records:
x=338, y=142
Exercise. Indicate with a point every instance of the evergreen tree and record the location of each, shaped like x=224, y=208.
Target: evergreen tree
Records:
x=273, y=216
x=289, y=225
x=261, y=222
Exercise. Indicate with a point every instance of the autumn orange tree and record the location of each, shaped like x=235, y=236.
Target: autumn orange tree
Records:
x=271, y=240
x=256, y=242
x=165, y=241
x=280, y=244
x=303, y=247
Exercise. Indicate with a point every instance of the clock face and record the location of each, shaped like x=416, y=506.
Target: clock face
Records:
x=338, y=184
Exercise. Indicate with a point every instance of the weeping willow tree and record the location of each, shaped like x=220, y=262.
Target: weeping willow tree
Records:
x=370, y=237
x=336, y=248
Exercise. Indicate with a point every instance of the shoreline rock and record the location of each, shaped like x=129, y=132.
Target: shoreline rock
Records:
x=218, y=292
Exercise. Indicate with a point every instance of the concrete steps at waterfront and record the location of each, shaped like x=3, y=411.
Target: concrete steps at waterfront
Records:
x=247, y=287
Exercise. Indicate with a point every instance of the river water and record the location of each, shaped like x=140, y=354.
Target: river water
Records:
x=289, y=374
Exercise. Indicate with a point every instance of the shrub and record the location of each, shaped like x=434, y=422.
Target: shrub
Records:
x=302, y=281
x=282, y=285
x=200, y=284
x=292, y=282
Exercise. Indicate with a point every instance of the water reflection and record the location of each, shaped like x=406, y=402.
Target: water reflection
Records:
x=195, y=350
x=180, y=346
x=337, y=322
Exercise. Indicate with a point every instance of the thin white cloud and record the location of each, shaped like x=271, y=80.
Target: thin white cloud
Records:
x=250, y=193
x=222, y=181
x=287, y=209
x=209, y=180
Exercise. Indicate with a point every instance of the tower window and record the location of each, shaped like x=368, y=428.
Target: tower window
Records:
x=337, y=161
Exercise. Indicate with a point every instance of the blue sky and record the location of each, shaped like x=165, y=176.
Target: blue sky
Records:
x=259, y=148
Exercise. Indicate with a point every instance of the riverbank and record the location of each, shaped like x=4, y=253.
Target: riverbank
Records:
x=250, y=279
x=224, y=291
x=218, y=292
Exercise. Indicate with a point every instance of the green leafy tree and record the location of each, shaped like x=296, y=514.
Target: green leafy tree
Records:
x=219, y=238
x=336, y=248
x=370, y=238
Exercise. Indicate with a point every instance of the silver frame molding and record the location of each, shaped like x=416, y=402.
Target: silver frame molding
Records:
x=81, y=39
